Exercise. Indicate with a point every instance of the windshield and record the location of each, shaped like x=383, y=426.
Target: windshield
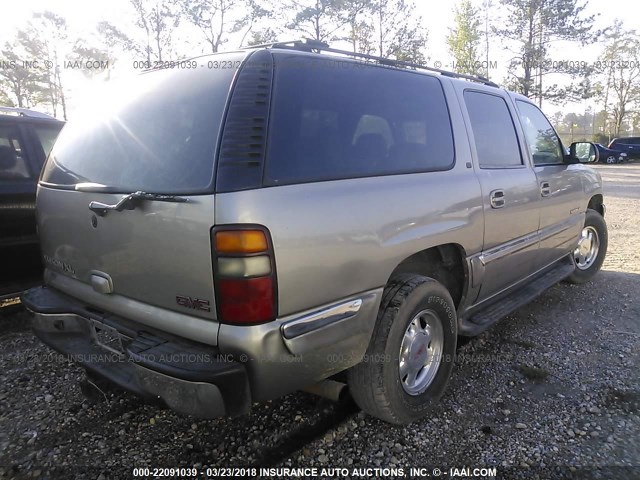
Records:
x=157, y=132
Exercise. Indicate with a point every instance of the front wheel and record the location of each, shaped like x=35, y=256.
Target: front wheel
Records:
x=611, y=159
x=589, y=254
x=411, y=353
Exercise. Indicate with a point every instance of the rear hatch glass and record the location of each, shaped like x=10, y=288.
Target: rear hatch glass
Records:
x=156, y=132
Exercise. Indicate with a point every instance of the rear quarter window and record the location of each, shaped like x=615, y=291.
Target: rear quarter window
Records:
x=335, y=120
x=625, y=141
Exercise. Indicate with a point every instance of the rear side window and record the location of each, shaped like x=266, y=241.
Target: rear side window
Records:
x=47, y=136
x=493, y=130
x=157, y=132
x=334, y=120
x=625, y=141
x=13, y=164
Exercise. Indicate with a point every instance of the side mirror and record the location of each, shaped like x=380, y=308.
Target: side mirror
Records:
x=583, y=152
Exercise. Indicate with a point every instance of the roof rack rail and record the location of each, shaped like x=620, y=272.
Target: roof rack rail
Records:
x=307, y=44
x=24, y=112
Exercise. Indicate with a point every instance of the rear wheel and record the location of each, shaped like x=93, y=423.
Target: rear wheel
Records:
x=411, y=352
x=589, y=254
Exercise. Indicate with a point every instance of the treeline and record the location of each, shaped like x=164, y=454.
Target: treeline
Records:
x=528, y=30
x=593, y=126
x=31, y=64
x=524, y=31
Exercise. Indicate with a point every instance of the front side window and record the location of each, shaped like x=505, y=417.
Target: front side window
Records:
x=543, y=143
x=335, y=120
x=13, y=165
x=493, y=130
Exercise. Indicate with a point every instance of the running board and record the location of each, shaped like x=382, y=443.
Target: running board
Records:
x=486, y=317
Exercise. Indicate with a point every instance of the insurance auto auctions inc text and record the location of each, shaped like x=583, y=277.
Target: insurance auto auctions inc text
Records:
x=376, y=472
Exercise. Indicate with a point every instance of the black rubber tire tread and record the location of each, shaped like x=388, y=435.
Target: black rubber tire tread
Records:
x=367, y=382
x=594, y=219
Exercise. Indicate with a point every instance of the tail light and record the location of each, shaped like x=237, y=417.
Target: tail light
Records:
x=244, y=274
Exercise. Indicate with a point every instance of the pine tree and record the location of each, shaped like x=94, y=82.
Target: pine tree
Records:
x=532, y=26
x=318, y=19
x=399, y=31
x=218, y=19
x=158, y=19
x=621, y=58
x=44, y=39
x=5, y=101
x=359, y=25
x=22, y=85
x=464, y=40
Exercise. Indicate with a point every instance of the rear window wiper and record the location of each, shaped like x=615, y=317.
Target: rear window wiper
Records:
x=129, y=202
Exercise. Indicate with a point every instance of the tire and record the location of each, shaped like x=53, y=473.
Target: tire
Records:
x=611, y=160
x=594, y=222
x=375, y=383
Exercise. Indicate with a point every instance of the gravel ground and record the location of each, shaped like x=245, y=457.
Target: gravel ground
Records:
x=552, y=391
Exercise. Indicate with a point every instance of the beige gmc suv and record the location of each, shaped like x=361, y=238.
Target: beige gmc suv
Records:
x=291, y=216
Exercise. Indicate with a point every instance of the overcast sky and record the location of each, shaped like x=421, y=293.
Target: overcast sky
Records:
x=82, y=17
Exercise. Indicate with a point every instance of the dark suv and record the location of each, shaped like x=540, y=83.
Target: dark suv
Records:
x=26, y=137
x=628, y=145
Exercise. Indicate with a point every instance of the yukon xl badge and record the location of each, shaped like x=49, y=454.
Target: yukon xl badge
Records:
x=194, y=303
x=54, y=262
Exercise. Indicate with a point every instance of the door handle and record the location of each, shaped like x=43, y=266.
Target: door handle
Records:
x=496, y=198
x=545, y=189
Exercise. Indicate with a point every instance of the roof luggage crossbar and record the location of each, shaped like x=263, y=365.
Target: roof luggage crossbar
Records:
x=310, y=45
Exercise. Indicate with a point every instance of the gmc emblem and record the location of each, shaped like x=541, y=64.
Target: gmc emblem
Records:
x=193, y=303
